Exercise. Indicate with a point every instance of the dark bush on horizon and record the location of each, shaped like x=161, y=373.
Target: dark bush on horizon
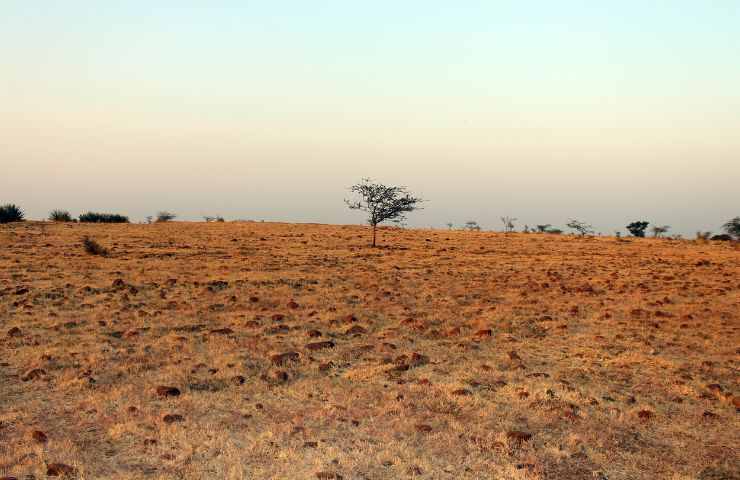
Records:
x=165, y=216
x=723, y=237
x=60, y=216
x=637, y=229
x=93, y=217
x=732, y=228
x=11, y=213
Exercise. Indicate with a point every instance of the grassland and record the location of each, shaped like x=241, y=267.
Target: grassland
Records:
x=259, y=350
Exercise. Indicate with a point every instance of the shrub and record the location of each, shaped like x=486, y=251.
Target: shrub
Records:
x=637, y=229
x=703, y=236
x=508, y=224
x=582, y=228
x=93, y=217
x=60, y=216
x=722, y=237
x=165, y=217
x=217, y=218
x=93, y=248
x=732, y=228
x=658, y=231
x=472, y=225
x=11, y=213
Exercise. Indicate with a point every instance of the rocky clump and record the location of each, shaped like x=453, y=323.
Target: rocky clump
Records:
x=171, y=418
x=60, y=470
x=164, y=391
x=285, y=358
x=320, y=345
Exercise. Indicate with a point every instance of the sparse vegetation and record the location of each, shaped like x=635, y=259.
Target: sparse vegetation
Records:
x=732, y=228
x=165, y=217
x=209, y=218
x=582, y=228
x=637, y=229
x=472, y=226
x=60, y=216
x=93, y=217
x=508, y=224
x=382, y=203
x=722, y=237
x=11, y=213
x=703, y=236
x=92, y=247
x=659, y=231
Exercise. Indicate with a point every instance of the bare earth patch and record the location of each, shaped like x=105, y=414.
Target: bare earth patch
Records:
x=258, y=350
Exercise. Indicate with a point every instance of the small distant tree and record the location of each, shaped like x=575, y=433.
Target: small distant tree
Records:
x=703, y=236
x=508, y=224
x=732, y=228
x=637, y=229
x=658, y=231
x=11, y=213
x=149, y=219
x=472, y=226
x=165, y=217
x=60, y=216
x=582, y=228
x=449, y=225
x=543, y=228
x=382, y=203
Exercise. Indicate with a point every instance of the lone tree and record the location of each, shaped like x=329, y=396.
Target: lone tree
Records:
x=732, y=227
x=508, y=224
x=582, y=228
x=637, y=229
x=658, y=231
x=382, y=203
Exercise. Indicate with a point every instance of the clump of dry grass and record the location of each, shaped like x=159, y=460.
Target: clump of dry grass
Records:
x=92, y=247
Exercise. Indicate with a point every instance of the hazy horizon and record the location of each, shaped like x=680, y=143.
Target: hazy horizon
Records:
x=543, y=111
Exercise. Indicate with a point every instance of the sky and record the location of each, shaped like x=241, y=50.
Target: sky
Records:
x=604, y=111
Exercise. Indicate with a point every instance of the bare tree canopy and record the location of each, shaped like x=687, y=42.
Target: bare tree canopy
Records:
x=382, y=203
x=508, y=223
x=582, y=228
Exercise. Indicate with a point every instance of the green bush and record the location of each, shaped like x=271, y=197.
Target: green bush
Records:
x=11, y=213
x=637, y=229
x=60, y=216
x=93, y=217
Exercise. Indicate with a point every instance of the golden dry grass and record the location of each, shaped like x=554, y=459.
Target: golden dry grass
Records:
x=479, y=355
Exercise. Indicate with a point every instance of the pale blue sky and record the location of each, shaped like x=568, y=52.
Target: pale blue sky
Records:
x=607, y=111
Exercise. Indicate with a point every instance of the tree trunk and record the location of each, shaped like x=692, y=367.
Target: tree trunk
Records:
x=375, y=227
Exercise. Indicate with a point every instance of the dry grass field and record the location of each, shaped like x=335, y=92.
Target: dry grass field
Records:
x=262, y=350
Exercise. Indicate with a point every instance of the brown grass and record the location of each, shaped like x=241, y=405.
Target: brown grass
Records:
x=479, y=355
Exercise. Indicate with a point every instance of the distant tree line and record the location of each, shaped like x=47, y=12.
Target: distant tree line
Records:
x=388, y=203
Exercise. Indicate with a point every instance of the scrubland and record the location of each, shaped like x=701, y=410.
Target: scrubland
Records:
x=263, y=350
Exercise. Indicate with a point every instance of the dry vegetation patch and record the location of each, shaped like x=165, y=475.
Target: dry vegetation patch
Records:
x=257, y=350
